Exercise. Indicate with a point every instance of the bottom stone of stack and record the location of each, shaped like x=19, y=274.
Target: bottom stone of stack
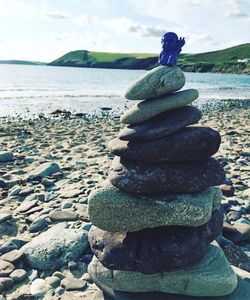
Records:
x=242, y=292
x=213, y=276
x=154, y=250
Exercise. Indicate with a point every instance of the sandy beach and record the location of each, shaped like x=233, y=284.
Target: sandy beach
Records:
x=78, y=144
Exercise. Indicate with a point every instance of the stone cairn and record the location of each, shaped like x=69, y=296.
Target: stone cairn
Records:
x=156, y=219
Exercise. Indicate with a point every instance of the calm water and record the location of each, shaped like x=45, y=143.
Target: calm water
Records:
x=29, y=90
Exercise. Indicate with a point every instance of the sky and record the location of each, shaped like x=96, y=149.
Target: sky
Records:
x=43, y=30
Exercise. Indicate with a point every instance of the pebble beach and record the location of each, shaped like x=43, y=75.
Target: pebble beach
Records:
x=53, y=163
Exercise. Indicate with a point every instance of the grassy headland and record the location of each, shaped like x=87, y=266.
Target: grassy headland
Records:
x=90, y=59
x=222, y=61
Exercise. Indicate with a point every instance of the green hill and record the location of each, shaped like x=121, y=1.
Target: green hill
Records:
x=223, y=61
x=84, y=58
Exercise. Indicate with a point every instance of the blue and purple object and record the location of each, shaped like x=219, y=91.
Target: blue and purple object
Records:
x=171, y=48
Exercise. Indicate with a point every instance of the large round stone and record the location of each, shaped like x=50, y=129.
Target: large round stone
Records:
x=55, y=247
x=212, y=276
x=148, y=109
x=159, y=81
x=175, y=177
x=161, y=125
x=242, y=291
x=154, y=250
x=113, y=210
x=187, y=144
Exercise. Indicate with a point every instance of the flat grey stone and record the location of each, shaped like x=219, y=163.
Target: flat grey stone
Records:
x=6, y=156
x=39, y=287
x=161, y=125
x=26, y=191
x=54, y=281
x=72, y=284
x=12, y=256
x=38, y=225
x=148, y=109
x=26, y=205
x=155, y=250
x=14, y=191
x=18, y=275
x=8, y=246
x=159, y=81
x=55, y=247
x=187, y=144
x=241, y=292
x=63, y=215
x=44, y=170
x=5, y=268
x=5, y=217
x=212, y=276
x=113, y=210
x=173, y=177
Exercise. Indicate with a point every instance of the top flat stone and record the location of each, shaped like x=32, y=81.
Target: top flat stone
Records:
x=160, y=81
x=148, y=109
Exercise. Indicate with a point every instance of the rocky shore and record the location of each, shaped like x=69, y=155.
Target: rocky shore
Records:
x=48, y=167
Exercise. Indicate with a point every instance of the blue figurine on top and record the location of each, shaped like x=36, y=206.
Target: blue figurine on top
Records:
x=171, y=48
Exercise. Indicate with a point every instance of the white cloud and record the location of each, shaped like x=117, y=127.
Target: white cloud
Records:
x=55, y=15
x=82, y=20
x=237, y=14
x=204, y=38
x=237, y=10
x=125, y=25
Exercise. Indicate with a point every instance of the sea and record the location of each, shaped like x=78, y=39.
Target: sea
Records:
x=32, y=90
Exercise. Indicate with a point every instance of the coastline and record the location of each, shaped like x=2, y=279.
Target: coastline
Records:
x=78, y=144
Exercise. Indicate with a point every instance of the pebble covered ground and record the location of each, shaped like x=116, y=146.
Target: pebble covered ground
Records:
x=52, y=163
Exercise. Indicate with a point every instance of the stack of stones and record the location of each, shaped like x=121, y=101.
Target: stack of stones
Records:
x=156, y=219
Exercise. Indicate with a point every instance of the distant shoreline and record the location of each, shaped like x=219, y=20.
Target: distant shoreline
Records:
x=196, y=68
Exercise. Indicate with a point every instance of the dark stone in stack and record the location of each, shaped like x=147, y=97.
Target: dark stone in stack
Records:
x=160, y=249
x=175, y=177
x=161, y=125
x=187, y=144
